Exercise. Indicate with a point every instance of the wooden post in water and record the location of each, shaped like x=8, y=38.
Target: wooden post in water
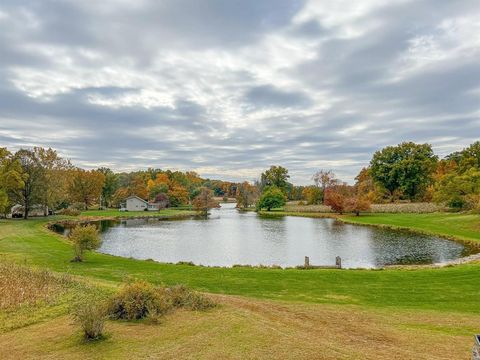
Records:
x=338, y=262
x=307, y=262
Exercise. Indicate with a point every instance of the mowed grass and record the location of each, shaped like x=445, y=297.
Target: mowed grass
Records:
x=450, y=225
x=460, y=226
x=451, y=289
x=263, y=313
x=253, y=329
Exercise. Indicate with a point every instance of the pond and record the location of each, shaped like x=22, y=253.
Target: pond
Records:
x=230, y=237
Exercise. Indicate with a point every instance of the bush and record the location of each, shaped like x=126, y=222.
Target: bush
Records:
x=84, y=238
x=140, y=300
x=271, y=198
x=69, y=212
x=181, y=296
x=457, y=203
x=90, y=312
x=135, y=301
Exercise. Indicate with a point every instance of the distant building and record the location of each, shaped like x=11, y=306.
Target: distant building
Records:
x=134, y=203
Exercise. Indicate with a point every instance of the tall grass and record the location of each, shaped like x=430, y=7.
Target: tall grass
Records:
x=21, y=285
x=392, y=208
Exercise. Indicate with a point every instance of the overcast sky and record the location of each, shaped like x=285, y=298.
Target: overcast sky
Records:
x=228, y=88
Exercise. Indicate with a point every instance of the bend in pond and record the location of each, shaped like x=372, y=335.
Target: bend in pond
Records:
x=230, y=237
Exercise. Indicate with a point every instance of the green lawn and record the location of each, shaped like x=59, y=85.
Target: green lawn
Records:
x=337, y=314
x=459, y=226
x=450, y=225
x=453, y=289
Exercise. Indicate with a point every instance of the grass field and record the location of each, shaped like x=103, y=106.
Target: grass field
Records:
x=419, y=314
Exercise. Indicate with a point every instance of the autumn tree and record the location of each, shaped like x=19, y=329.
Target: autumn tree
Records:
x=56, y=172
x=10, y=179
x=205, y=201
x=459, y=191
x=162, y=200
x=158, y=185
x=336, y=200
x=324, y=179
x=177, y=194
x=246, y=195
x=110, y=186
x=33, y=178
x=357, y=204
x=407, y=167
x=86, y=186
x=275, y=176
x=272, y=197
x=312, y=195
x=138, y=187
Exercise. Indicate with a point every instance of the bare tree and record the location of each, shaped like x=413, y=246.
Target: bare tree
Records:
x=324, y=179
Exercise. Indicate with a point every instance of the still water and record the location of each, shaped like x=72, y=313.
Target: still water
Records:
x=230, y=237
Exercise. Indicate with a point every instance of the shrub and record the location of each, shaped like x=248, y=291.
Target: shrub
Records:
x=457, y=203
x=140, y=299
x=69, y=212
x=182, y=297
x=84, y=238
x=271, y=198
x=90, y=312
x=136, y=300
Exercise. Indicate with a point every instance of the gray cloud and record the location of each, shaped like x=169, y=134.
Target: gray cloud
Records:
x=268, y=95
x=228, y=88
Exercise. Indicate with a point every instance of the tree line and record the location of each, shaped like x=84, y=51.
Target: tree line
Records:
x=39, y=177
x=405, y=172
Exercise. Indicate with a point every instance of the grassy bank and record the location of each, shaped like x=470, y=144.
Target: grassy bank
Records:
x=465, y=227
x=456, y=226
x=449, y=289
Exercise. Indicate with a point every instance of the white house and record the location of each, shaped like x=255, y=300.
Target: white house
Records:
x=134, y=203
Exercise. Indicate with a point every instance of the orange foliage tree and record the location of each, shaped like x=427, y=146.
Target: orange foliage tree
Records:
x=86, y=186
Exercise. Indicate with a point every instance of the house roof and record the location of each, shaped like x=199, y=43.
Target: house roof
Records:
x=136, y=197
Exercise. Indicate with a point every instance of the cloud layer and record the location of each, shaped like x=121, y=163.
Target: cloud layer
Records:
x=228, y=88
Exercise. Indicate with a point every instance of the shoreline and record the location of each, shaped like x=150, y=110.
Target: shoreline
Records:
x=475, y=246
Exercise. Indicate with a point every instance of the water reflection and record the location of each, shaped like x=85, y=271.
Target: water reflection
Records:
x=231, y=237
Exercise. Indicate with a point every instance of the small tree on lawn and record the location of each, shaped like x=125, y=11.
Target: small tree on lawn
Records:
x=335, y=200
x=84, y=238
x=271, y=198
x=205, y=201
x=357, y=204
